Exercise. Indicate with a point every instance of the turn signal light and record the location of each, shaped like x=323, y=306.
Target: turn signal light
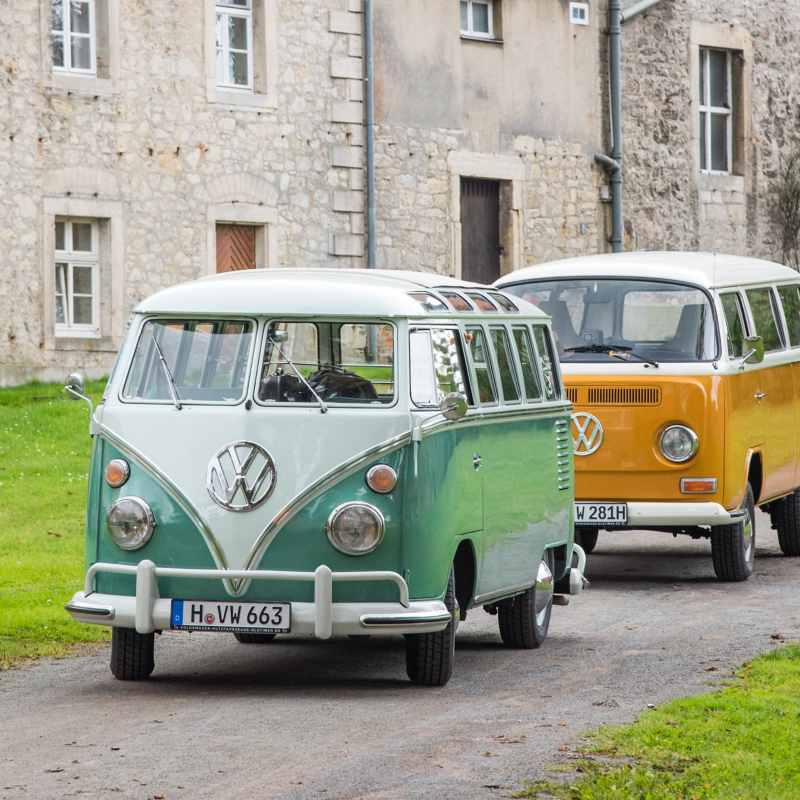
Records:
x=117, y=472
x=381, y=478
x=698, y=485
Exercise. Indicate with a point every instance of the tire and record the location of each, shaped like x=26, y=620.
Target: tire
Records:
x=520, y=626
x=586, y=538
x=430, y=656
x=785, y=516
x=733, y=547
x=254, y=638
x=132, y=654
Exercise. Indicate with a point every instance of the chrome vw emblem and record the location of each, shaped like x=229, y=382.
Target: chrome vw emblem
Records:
x=227, y=478
x=590, y=434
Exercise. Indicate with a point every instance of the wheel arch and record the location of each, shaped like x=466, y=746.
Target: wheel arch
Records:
x=466, y=573
x=755, y=475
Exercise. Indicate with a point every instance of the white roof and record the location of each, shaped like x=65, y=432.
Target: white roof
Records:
x=317, y=292
x=710, y=270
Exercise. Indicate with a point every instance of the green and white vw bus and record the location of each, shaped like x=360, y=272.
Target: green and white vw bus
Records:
x=329, y=452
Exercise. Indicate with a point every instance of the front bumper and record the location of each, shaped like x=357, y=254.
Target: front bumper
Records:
x=147, y=611
x=668, y=515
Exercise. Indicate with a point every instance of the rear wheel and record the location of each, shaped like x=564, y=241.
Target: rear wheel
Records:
x=733, y=547
x=429, y=656
x=785, y=516
x=586, y=538
x=524, y=619
x=132, y=654
x=254, y=638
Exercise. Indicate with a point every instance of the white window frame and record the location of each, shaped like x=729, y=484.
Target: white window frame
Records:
x=717, y=111
x=67, y=35
x=575, y=10
x=221, y=10
x=64, y=279
x=468, y=31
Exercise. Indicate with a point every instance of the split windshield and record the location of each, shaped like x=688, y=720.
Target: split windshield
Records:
x=654, y=320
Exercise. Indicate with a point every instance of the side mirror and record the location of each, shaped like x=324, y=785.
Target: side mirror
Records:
x=279, y=337
x=753, y=350
x=76, y=386
x=453, y=406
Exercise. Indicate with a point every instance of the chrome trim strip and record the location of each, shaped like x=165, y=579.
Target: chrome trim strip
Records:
x=499, y=594
x=89, y=610
x=488, y=416
x=422, y=618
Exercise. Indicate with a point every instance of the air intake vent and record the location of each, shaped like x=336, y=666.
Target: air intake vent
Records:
x=572, y=395
x=624, y=396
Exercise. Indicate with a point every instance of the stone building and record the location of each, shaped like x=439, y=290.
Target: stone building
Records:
x=144, y=143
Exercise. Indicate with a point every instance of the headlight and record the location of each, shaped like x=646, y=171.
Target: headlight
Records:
x=130, y=523
x=355, y=529
x=678, y=443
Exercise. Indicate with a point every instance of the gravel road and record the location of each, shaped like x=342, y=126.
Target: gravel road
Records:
x=306, y=719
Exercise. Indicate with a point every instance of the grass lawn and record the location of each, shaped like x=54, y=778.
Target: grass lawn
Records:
x=44, y=465
x=739, y=742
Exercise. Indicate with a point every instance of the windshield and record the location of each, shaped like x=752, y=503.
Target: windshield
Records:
x=644, y=319
x=344, y=363
x=206, y=358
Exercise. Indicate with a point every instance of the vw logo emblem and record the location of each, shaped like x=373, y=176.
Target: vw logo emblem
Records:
x=228, y=473
x=590, y=434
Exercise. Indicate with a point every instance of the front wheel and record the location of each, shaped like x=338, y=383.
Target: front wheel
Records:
x=254, y=638
x=525, y=619
x=430, y=656
x=132, y=654
x=785, y=516
x=733, y=547
x=586, y=538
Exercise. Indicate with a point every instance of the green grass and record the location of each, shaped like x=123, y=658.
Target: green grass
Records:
x=44, y=465
x=739, y=742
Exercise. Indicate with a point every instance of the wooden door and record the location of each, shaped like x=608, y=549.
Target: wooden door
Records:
x=480, y=230
x=236, y=247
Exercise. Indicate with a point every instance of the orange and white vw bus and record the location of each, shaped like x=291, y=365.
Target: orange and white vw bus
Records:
x=684, y=372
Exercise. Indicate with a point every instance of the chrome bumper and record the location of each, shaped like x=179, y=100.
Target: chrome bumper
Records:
x=147, y=611
x=644, y=515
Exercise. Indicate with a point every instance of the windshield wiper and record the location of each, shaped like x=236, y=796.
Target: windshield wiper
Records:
x=622, y=352
x=308, y=386
x=172, y=387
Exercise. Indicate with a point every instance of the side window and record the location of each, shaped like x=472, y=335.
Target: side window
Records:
x=483, y=370
x=547, y=361
x=790, y=300
x=508, y=378
x=527, y=359
x=734, y=321
x=436, y=366
x=762, y=304
x=76, y=268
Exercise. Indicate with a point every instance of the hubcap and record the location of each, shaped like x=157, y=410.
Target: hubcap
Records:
x=544, y=592
x=748, y=536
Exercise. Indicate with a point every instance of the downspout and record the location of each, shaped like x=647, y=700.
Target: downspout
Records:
x=369, y=108
x=616, y=16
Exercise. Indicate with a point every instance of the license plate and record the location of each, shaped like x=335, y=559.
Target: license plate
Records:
x=601, y=514
x=205, y=615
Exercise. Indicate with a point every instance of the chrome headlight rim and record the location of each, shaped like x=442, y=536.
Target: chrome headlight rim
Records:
x=693, y=437
x=150, y=523
x=124, y=467
x=355, y=504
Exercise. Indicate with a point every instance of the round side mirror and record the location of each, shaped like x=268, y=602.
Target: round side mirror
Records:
x=453, y=406
x=76, y=386
x=279, y=337
x=753, y=350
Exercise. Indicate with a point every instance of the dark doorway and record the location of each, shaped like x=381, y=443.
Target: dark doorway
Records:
x=480, y=230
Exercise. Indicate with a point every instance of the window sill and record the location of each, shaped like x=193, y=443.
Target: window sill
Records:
x=85, y=86
x=245, y=101
x=470, y=38
x=95, y=343
x=720, y=181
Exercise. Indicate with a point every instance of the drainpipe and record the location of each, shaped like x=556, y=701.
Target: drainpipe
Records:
x=616, y=16
x=369, y=108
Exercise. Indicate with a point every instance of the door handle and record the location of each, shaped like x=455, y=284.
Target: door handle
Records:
x=477, y=461
x=759, y=396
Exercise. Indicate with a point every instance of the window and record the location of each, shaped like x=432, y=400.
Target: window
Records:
x=546, y=360
x=508, y=379
x=765, y=317
x=579, y=13
x=483, y=370
x=234, y=44
x=476, y=18
x=344, y=363
x=76, y=269
x=504, y=303
x=734, y=319
x=436, y=366
x=456, y=301
x=73, y=36
x=527, y=359
x=483, y=303
x=428, y=301
x=715, y=110
x=206, y=358
x=790, y=300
